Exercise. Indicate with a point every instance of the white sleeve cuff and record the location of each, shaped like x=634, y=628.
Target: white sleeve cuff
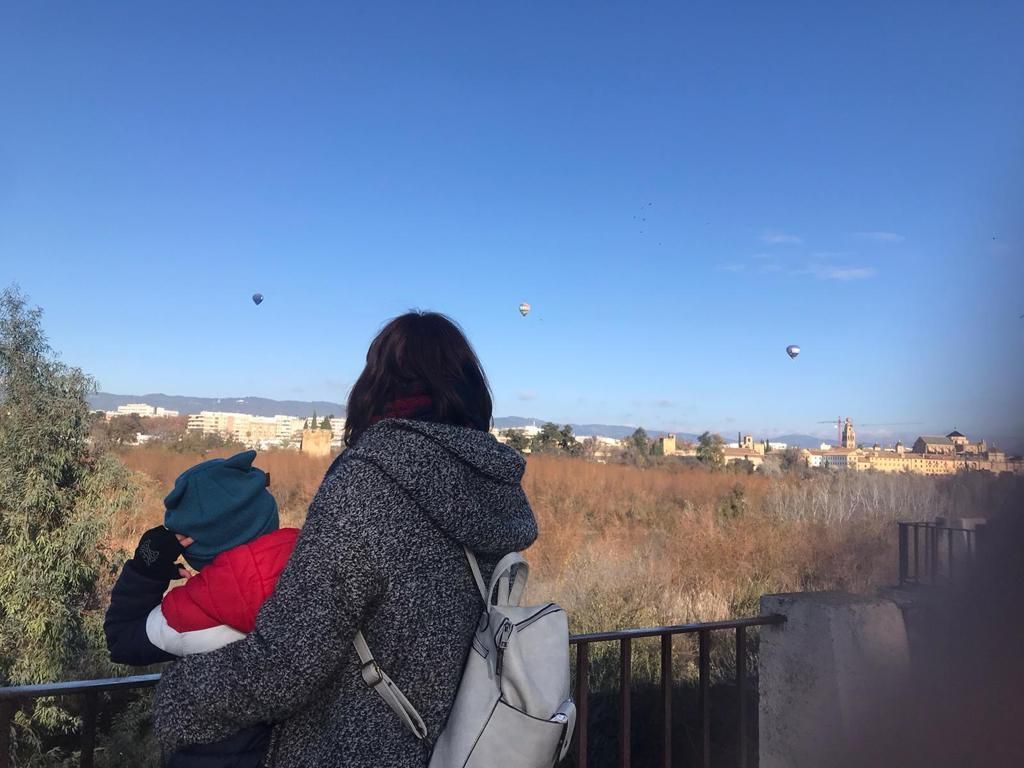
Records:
x=170, y=640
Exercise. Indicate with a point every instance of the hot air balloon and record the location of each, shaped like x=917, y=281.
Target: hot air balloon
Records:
x=524, y=309
x=257, y=299
x=792, y=350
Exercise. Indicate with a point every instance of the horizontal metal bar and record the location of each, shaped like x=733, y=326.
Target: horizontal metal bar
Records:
x=76, y=687
x=679, y=629
x=73, y=687
x=933, y=526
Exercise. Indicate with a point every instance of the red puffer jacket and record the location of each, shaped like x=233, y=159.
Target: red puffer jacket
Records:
x=232, y=588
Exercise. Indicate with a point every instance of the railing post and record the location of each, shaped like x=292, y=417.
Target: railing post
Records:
x=666, y=700
x=917, y=564
x=741, y=688
x=704, y=666
x=903, y=553
x=7, y=710
x=934, y=547
x=582, y=702
x=89, y=728
x=625, y=683
x=949, y=547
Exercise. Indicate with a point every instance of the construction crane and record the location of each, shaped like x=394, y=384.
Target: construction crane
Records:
x=839, y=426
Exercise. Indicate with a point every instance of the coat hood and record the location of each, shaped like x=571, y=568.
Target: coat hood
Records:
x=464, y=480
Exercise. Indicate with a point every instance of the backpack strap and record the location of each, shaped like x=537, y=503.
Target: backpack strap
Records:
x=474, y=566
x=510, y=589
x=377, y=679
x=509, y=593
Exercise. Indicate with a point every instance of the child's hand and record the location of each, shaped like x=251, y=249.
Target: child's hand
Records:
x=157, y=552
x=185, y=541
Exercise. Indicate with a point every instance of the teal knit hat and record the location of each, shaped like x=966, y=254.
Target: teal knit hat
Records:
x=220, y=503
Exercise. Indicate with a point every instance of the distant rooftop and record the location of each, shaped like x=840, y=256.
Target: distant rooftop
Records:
x=936, y=440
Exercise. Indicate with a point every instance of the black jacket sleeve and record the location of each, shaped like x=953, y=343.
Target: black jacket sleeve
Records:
x=131, y=601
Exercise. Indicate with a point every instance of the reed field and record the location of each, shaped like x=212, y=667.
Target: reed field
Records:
x=623, y=546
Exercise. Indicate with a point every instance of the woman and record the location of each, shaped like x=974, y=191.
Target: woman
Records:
x=381, y=551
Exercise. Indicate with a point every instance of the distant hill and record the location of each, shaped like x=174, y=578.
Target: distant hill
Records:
x=254, y=406
x=800, y=441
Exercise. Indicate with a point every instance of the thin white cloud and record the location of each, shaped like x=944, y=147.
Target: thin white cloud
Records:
x=880, y=237
x=781, y=238
x=833, y=272
x=761, y=256
x=732, y=267
x=770, y=268
x=663, y=403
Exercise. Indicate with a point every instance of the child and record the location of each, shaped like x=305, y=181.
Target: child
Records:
x=221, y=516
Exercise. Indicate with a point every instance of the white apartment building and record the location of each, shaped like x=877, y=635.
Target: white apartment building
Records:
x=261, y=431
x=141, y=409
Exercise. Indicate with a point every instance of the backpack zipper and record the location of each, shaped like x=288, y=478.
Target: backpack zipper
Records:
x=501, y=638
x=545, y=611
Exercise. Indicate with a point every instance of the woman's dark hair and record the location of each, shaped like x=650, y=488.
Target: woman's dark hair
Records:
x=416, y=354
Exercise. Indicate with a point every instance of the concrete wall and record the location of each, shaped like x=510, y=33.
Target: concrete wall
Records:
x=826, y=674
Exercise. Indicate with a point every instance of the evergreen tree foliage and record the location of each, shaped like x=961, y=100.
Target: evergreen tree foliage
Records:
x=711, y=449
x=56, y=496
x=637, y=448
x=518, y=439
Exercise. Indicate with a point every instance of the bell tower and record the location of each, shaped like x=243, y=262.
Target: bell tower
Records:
x=849, y=435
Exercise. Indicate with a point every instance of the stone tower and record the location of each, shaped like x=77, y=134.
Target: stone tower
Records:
x=316, y=442
x=849, y=436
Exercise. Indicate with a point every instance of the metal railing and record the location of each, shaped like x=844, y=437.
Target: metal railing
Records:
x=13, y=697
x=625, y=640
x=934, y=554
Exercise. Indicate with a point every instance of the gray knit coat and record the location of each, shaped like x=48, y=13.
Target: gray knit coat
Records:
x=381, y=550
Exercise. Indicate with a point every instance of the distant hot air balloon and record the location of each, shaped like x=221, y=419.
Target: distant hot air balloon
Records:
x=257, y=299
x=793, y=350
x=524, y=309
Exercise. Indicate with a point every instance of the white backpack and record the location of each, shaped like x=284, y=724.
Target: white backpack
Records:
x=513, y=707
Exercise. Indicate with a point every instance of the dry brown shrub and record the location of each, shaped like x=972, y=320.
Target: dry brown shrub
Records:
x=621, y=546
x=294, y=478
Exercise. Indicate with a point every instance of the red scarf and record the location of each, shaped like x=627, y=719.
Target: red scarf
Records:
x=408, y=407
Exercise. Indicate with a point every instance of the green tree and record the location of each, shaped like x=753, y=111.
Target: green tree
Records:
x=547, y=440
x=56, y=496
x=123, y=430
x=313, y=423
x=567, y=441
x=326, y=423
x=194, y=441
x=517, y=439
x=791, y=459
x=637, y=448
x=711, y=449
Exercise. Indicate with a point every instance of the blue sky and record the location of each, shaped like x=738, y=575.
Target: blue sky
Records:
x=680, y=190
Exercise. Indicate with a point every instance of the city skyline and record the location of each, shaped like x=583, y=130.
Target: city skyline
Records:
x=678, y=195
x=102, y=401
